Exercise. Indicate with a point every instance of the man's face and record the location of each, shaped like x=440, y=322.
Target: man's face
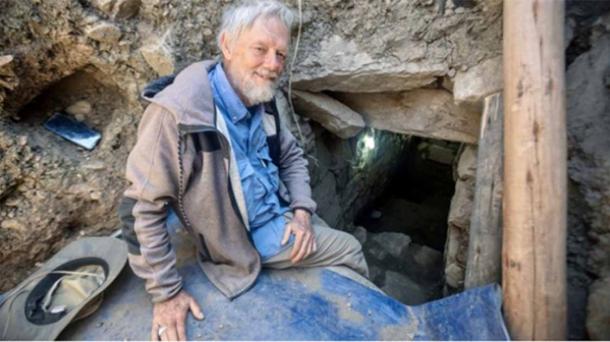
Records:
x=255, y=59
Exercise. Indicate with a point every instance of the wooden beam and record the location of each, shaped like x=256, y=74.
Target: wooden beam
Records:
x=535, y=174
x=485, y=237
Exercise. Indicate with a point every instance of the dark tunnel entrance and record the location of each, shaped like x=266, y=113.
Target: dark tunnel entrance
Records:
x=406, y=226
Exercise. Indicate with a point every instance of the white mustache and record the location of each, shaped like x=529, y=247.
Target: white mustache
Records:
x=268, y=74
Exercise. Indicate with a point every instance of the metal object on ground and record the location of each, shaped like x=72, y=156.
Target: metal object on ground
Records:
x=73, y=130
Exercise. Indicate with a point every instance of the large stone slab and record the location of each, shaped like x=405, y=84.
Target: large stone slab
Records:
x=328, y=112
x=349, y=67
x=474, y=84
x=428, y=113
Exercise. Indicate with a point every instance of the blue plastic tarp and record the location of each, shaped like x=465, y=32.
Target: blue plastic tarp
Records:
x=298, y=304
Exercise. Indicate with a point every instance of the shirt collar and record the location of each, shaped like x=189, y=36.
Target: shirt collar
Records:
x=231, y=103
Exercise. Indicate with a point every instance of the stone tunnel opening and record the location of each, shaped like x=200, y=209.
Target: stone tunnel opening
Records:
x=393, y=193
x=409, y=221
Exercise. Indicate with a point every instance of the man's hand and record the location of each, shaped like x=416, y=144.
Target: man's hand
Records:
x=305, y=241
x=169, y=317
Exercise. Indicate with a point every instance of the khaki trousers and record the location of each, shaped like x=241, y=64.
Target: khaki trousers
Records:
x=335, y=248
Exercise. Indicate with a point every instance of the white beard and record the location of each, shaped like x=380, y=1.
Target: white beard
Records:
x=257, y=94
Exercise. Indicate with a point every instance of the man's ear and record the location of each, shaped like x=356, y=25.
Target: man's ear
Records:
x=225, y=46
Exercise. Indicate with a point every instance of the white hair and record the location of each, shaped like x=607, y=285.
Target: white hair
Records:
x=243, y=15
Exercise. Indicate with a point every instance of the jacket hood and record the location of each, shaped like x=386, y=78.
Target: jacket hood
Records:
x=188, y=95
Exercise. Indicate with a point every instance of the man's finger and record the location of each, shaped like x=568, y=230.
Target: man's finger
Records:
x=181, y=330
x=170, y=334
x=154, y=332
x=287, y=231
x=310, y=249
x=298, y=243
x=196, y=309
x=306, y=238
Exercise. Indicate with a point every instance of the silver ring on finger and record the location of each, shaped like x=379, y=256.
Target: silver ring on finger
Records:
x=161, y=330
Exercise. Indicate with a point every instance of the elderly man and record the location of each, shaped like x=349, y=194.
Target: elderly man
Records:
x=211, y=148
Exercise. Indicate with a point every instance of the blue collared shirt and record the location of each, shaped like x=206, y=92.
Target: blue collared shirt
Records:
x=259, y=175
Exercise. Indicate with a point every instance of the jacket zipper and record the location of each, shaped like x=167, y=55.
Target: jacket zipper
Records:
x=182, y=132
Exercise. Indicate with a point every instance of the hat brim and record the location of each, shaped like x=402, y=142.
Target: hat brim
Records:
x=109, y=252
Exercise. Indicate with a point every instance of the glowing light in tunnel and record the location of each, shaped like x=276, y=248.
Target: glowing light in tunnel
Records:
x=369, y=142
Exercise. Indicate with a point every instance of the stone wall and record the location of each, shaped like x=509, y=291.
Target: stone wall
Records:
x=588, y=104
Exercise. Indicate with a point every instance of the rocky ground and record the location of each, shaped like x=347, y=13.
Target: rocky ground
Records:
x=379, y=71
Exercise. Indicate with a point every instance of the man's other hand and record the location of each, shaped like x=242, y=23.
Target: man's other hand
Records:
x=305, y=241
x=169, y=317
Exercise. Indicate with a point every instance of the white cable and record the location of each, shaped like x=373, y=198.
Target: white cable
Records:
x=294, y=58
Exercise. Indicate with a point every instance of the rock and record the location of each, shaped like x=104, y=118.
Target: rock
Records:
x=360, y=233
x=395, y=244
x=95, y=195
x=440, y=154
x=467, y=164
x=94, y=165
x=125, y=9
x=424, y=112
x=104, y=32
x=159, y=58
x=79, y=108
x=375, y=251
x=5, y=60
x=376, y=274
x=454, y=275
x=461, y=204
x=103, y=5
x=404, y=289
x=344, y=65
x=425, y=257
x=13, y=224
x=118, y=9
x=479, y=81
x=328, y=112
x=598, y=310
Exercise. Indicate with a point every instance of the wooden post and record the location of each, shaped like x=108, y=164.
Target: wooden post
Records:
x=485, y=236
x=535, y=175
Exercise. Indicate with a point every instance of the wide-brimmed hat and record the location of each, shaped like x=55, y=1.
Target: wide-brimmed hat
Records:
x=64, y=288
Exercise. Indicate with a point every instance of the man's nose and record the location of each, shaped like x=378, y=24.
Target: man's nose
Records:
x=274, y=62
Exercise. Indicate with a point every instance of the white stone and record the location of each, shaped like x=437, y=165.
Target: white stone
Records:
x=428, y=113
x=328, y=112
x=104, y=32
x=159, y=57
x=79, y=108
x=5, y=60
x=481, y=80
